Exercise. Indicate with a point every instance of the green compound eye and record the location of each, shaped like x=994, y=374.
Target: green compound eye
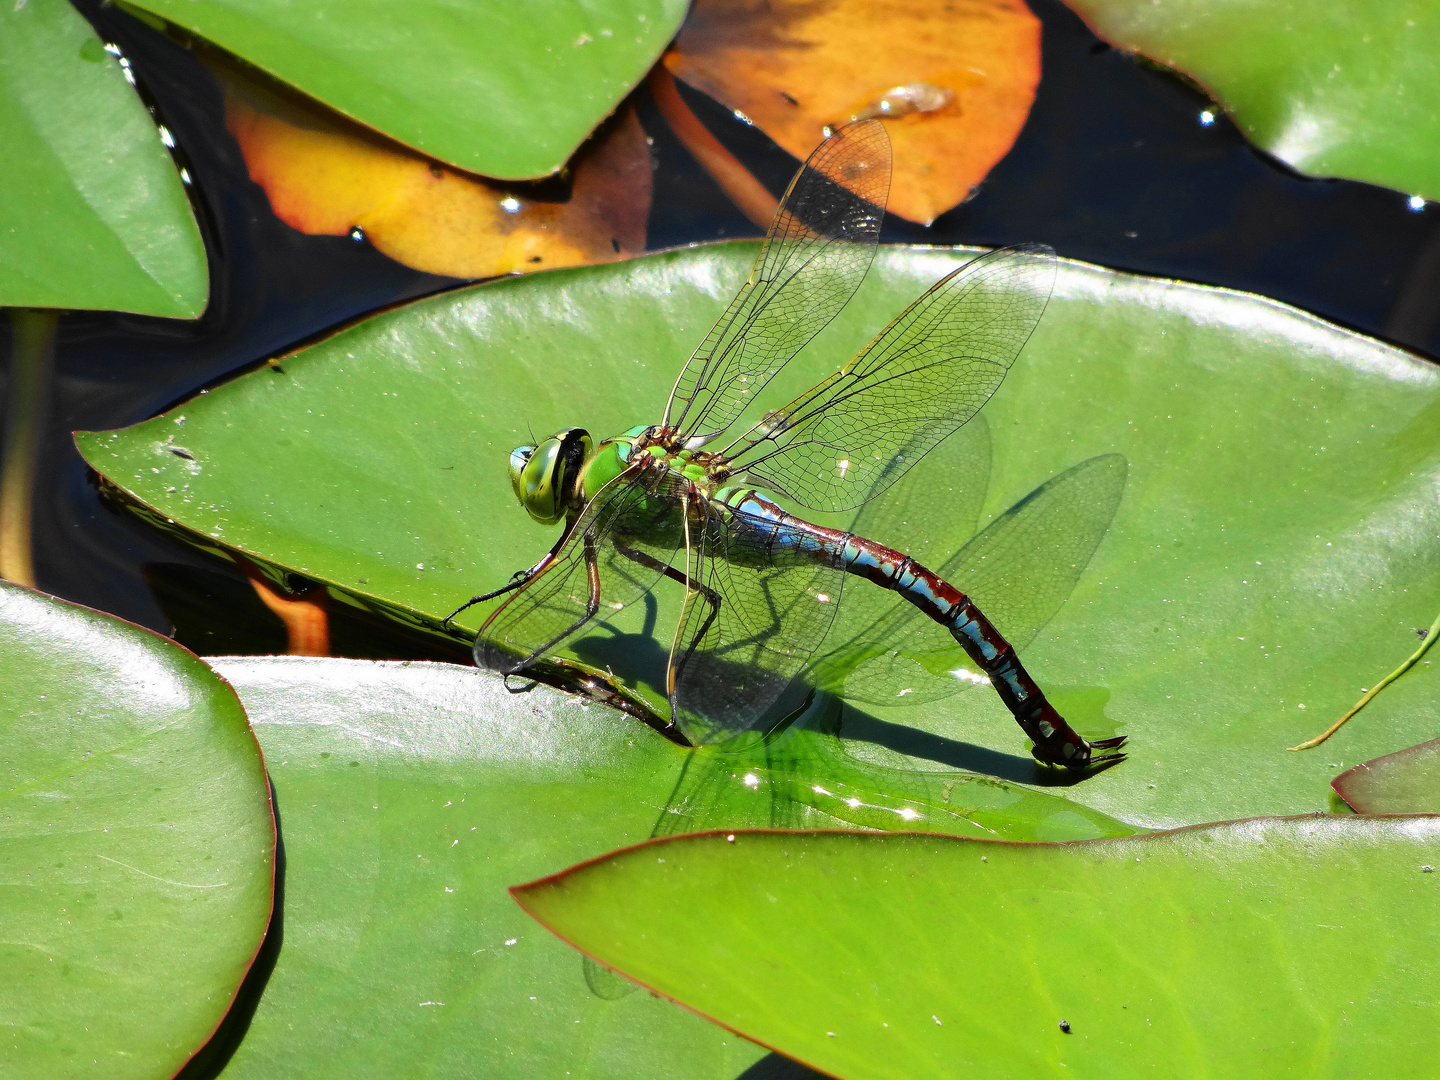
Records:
x=544, y=476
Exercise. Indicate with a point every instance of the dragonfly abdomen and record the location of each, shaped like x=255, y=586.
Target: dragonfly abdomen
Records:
x=1056, y=742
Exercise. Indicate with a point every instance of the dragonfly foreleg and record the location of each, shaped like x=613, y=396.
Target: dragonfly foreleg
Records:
x=518, y=580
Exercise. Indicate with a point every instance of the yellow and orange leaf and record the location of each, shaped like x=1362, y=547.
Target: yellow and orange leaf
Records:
x=327, y=175
x=954, y=80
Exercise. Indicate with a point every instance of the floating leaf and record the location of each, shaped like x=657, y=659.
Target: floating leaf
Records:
x=1331, y=88
x=136, y=844
x=325, y=174
x=1406, y=782
x=956, y=81
x=93, y=213
x=412, y=796
x=490, y=88
x=1242, y=949
x=1223, y=598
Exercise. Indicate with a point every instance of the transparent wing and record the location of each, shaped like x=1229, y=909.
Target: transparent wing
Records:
x=927, y=514
x=764, y=608
x=613, y=554
x=924, y=376
x=815, y=256
x=1020, y=571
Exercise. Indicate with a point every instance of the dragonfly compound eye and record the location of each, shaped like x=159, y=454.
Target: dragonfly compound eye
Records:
x=544, y=476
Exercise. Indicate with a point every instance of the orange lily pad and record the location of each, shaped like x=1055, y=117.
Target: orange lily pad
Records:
x=953, y=81
x=327, y=175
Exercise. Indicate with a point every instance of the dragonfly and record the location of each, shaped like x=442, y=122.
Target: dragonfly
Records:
x=692, y=499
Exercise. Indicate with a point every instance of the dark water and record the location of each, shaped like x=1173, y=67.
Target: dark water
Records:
x=1114, y=167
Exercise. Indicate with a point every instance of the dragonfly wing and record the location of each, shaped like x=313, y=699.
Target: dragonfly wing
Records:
x=1020, y=571
x=814, y=258
x=613, y=554
x=763, y=610
x=924, y=376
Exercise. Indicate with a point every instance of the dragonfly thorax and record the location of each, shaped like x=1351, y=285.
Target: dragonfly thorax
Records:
x=708, y=471
x=561, y=475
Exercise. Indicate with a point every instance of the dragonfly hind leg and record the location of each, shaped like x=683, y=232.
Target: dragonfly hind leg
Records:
x=710, y=596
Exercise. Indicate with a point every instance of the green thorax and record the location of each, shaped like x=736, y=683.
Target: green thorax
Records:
x=556, y=479
x=613, y=456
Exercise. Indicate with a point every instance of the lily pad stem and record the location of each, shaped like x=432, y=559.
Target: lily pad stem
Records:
x=305, y=615
x=1406, y=666
x=747, y=193
x=25, y=412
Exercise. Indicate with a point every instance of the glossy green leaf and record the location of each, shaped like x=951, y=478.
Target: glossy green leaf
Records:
x=1405, y=782
x=136, y=845
x=1229, y=950
x=93, y=213
x=412, y=795
x=1332, y=88
x=1275, y=541
x=507, y=90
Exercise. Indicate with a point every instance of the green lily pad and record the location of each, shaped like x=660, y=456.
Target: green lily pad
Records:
x=1275, y=541
x=136, y=844
x=496, y=89
x=1241, y=949
x=1405, y=782
x=94, y=214
x=1330, y=88
x=411, y=795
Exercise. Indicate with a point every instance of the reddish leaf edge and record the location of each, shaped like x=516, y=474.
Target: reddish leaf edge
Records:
x=1350, y=775
x=269, y=804
x=518, y=892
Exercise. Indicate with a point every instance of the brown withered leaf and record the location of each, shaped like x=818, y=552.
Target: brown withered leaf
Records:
x=326, y=174
x=953, y=79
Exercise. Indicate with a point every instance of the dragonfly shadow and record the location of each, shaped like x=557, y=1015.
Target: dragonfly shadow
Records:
x=639, y=654
x=954, y=753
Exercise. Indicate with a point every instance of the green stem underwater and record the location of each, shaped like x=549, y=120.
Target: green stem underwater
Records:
x=1406, y=666
x=25, y=412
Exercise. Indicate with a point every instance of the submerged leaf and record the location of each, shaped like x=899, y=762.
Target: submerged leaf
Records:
x=953, y=81
x=325, y=174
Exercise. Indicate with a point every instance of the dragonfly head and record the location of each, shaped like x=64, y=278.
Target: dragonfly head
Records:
x=546, y=477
